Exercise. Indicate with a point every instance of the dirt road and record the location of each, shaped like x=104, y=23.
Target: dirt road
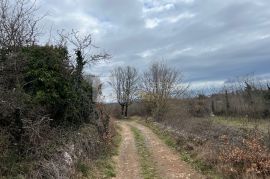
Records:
x=166, y=162
x=127, y=161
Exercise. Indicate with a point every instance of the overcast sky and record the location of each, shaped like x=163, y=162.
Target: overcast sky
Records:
x=208, y=40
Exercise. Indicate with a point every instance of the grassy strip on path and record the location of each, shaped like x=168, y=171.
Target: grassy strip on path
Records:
x=147, y=164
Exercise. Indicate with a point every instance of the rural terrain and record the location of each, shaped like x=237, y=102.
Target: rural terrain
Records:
x=163, y=161
x=171, y=95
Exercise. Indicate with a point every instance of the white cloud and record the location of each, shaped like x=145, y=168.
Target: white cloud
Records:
x=185, y=15
x=187, y=33
x=146, y=53
x=264, y=36
x=159, y=8
x=182, y=51
x=206, y=84
x=86, y=22
x=152, y=23
x=186, y=1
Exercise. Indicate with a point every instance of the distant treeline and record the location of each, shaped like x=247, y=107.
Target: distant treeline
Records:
x=247, y=98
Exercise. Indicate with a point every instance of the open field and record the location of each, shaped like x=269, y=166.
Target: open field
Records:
x=238, y=122
x=213, y=149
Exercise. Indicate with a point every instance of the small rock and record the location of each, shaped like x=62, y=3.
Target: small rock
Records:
x=68, y=159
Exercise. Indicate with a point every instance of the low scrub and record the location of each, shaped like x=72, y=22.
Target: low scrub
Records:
x=216, y=150
x=249, y=158
x=65, y=153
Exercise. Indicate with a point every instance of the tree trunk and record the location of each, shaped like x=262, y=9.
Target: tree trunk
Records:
x=227, y=103
x=126, y=110
x=213, y=107
x=122, y=110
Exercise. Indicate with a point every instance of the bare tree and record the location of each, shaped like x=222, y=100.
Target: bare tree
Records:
x=18, y=24
x=18, y=28
x=124, y=82
x=82, y=44
x=117, y=83
x=159, y=84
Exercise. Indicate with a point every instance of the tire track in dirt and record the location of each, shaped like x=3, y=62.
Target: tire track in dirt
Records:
x=167, y=161
x=127, y=161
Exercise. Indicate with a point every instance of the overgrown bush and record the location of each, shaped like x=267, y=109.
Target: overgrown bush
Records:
x=44, y=97
x=51, y=83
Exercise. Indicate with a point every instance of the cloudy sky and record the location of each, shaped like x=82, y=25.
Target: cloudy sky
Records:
x=208, y=40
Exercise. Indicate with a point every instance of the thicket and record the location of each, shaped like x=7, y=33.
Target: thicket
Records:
x=42, y=93
x=49, y=121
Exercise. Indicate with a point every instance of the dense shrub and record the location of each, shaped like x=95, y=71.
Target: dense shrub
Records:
x=47, y=78
x=50, y=81
x=44, y=101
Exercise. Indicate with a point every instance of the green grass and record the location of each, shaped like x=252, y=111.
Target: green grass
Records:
x=107, y=168
x=83, y=168
x=147, y=165
x=165, y=136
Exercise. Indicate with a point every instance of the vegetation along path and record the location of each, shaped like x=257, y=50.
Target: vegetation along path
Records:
x=143, y=155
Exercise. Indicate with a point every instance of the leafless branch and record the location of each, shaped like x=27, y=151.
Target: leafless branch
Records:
x=18, y=23
x=124, y=82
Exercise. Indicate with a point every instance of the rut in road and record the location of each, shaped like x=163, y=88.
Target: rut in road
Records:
x=166, y=161
x=127, y=163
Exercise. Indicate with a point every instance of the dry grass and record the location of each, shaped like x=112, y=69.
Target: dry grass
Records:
x=242, y=122
x=215, y=149
x=60, y=153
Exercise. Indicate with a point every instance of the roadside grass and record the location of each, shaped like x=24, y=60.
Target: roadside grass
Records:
x=238, y=122
x=147, y=165
x=104, y=167
x=186, y=156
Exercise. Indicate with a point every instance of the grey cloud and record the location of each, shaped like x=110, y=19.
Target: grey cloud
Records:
x=222, y=39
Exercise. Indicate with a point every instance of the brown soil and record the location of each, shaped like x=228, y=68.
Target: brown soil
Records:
x=167, y=162
x=128, y=166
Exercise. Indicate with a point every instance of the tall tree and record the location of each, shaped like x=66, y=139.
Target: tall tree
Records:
x=160, y=83
x=124, y=82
